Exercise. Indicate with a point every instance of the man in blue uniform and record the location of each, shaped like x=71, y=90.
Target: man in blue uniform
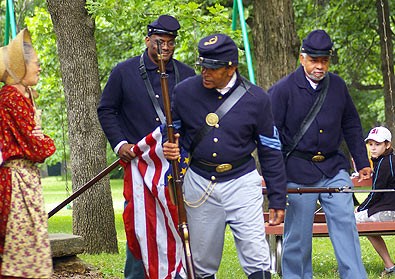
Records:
x=222, y=185
x=315, y=159
x=132, y=106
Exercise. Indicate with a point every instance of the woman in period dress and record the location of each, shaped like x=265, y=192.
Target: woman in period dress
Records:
x=24, y=245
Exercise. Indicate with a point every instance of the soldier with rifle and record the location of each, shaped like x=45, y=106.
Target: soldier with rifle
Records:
x=131, y=105
x=222, y=118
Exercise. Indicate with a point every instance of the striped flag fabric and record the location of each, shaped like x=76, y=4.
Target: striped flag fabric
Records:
x=149, y=216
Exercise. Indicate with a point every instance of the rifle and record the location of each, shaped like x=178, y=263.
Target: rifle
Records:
x=176, y=186
x=343, y=189
x=85, y=187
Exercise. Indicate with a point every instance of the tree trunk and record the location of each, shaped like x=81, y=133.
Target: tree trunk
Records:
x=276, y=43
x=93, y=213
x=387, y=61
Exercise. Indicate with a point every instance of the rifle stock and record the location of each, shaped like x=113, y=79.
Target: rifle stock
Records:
x=176, y=186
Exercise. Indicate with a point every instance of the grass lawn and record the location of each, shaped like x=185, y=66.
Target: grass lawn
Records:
x=324, y=262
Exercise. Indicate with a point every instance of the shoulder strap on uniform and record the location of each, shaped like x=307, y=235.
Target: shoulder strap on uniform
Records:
x=220, y=112
x=151, y=93
x=309, y=118
x=176, y=72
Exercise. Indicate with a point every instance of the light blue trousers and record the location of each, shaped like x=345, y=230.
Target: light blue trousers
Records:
x=339, y=212
x=237, y=203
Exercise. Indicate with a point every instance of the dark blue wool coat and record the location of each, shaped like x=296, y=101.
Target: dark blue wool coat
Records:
x=248, y=125
x=292, y=98
x=125, y=110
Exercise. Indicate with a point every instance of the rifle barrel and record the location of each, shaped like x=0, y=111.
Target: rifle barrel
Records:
x=85, y=187
x=176, y=188
x=342, y=189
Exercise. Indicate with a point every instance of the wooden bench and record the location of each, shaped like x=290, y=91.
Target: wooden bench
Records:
x=274, y=235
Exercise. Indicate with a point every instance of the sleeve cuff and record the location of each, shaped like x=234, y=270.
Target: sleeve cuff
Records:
x=118, y=146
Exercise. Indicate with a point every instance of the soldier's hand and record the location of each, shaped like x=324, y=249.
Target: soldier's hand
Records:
x=125, y=152
x=365, y=173
x=276, y=216
x=172, y=150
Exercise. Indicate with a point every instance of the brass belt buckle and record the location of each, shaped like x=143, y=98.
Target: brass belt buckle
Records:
x=318, y=158
x=223, y=168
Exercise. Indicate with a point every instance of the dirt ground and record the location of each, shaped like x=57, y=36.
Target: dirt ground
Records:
x=73, y=267
x=86, y=275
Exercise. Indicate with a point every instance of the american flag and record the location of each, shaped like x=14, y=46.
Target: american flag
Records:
x=150, y=218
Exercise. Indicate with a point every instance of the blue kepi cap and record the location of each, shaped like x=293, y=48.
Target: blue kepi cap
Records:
x=216, y=51
x=317, y=43
x=165, y=24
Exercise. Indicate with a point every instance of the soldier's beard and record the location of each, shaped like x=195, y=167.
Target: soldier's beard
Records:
x=316, y=75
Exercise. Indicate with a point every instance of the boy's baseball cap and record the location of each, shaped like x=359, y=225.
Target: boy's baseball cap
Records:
x=379, y=134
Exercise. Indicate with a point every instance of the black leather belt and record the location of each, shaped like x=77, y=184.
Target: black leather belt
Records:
x=213, y=167
x=314, y=157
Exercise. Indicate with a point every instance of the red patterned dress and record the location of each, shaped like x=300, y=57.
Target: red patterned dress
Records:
x=24, y=243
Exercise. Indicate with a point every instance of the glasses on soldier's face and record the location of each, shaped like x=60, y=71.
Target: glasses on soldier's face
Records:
x=170, y=43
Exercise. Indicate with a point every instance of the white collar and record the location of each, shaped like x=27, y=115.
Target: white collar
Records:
x=312, y=83
x=230, y=84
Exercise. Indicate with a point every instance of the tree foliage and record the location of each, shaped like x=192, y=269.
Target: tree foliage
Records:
x=121, y=27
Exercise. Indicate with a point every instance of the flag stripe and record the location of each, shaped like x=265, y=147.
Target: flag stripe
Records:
x=149, y=213
x=128, y=215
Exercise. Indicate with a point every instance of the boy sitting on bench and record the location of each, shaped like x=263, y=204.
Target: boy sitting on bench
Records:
x=380, y=206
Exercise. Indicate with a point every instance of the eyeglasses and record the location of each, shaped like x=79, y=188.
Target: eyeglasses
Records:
x=170, y=44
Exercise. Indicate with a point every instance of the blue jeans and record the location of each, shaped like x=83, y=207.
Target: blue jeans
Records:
x=339, y=212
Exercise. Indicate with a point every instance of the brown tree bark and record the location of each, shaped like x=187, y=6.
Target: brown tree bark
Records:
x=276, y=44
x=93, y=213
x=387, y=61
